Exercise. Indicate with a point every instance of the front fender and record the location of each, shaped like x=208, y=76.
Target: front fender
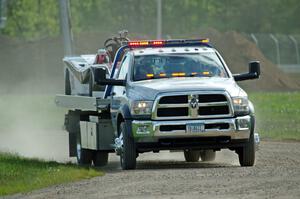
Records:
x=252, y=115
x=251, y=108
x=125, y=112
x=123, y=115
x=253, y=130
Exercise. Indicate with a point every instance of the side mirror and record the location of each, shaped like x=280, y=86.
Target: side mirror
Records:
x=254, y=68
x=100, y=78
x=254, y=72
x=99, y=75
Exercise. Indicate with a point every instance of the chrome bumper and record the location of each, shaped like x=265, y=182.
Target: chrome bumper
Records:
x=237, y=128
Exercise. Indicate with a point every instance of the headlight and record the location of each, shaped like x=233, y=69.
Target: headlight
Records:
x=240, y=105
x=141, y=107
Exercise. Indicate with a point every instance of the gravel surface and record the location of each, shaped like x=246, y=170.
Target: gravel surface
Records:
x=166, y=175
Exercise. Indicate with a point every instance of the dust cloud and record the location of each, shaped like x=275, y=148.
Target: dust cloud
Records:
x=30, y=123
x=32, y=126
x=35, y=144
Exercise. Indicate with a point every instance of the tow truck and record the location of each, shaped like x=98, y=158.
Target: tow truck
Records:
x=158, y=95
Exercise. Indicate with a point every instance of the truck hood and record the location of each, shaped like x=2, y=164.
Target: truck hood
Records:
x=149, y=89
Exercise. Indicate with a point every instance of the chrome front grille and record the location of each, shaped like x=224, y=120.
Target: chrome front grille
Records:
x=192, y=106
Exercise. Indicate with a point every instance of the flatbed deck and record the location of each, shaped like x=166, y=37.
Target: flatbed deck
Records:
x=83, y=103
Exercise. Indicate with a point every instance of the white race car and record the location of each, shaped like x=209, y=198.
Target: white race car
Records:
x=79, y=71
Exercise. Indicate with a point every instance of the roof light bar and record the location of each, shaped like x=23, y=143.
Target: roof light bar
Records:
x=176, y=42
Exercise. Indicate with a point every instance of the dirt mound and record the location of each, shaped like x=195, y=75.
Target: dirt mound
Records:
x=37, y=66
x=238, y=51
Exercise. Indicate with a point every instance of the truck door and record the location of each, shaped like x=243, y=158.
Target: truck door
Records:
x=118, y=94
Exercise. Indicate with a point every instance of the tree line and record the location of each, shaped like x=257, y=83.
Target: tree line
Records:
x=35, y=19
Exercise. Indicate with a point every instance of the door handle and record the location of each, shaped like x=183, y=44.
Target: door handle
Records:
x=113, y=93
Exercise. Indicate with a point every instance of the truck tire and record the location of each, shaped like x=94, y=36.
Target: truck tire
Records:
x=128, y=151
x=67, y=83
x=208, y=155
x=247, y=153
x=100, y=158
x=191, y=156
x=84, y=156
x=93, y=86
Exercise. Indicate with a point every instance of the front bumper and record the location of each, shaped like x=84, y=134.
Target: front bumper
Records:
x=237, y=128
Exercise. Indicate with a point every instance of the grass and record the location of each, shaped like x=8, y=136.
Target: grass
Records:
x=277, y=114
x=23, y=175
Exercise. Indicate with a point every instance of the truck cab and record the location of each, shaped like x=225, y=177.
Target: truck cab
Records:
x=180, y=97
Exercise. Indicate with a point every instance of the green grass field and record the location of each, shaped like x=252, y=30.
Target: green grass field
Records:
x=277, y=114
x=22, y=175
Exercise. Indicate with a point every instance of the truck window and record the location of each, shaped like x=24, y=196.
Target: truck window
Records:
x=124, y=68
x=205, y=64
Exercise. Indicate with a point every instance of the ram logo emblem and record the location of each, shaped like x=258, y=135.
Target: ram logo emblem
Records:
x=194, y=102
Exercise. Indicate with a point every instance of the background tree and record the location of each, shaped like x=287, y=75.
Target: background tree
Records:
x=33, y=19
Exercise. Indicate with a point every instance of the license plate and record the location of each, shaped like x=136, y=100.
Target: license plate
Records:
x=195, y=128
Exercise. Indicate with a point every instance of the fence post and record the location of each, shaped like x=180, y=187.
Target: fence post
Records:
x=277, y=48
x=254, y=39
x=296, y=48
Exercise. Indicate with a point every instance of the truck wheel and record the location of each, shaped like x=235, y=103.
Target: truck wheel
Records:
x=247, y=153
x=100, y=158
x=128, y=150
x=208, y=155
x=84, y=156
x=67, y=83
x=191, y=156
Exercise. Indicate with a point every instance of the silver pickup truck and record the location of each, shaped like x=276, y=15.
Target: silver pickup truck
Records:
x=164, y=95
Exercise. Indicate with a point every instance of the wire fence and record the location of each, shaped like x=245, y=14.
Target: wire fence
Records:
x=282, y=50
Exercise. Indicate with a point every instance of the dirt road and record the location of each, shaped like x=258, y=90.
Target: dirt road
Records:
x=166, y=175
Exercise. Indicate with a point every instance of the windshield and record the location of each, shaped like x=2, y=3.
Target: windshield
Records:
x=177, y=65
